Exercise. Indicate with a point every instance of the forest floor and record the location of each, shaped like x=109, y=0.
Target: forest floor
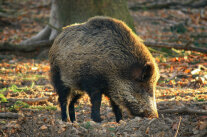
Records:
x=27, y=95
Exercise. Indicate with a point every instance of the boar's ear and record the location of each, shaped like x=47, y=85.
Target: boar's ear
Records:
x=147, y=71
x=142, y=73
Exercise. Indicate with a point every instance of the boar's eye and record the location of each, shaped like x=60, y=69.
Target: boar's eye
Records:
x=141, y=73
x=138, y=80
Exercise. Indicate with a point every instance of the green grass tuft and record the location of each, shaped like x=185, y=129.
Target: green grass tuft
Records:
x=2, y=98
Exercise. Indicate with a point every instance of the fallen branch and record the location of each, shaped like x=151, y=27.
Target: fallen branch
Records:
x=151, y=5
x=167, y=4
x=29, y=100
x=170, y=23
x=175, y=46
x=147, y=18
x=26, y=48
x=184, y=110
x=9, y=115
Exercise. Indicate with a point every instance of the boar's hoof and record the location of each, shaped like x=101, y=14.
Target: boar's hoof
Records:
x=97, y=119
x=65, y=119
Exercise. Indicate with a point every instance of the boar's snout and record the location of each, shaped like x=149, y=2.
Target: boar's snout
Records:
x=153, y=114
x=152, y=111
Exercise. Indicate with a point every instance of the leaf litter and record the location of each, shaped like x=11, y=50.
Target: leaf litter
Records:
x=183, y=83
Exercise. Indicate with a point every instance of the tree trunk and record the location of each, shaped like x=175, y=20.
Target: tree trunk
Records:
x=66, y=12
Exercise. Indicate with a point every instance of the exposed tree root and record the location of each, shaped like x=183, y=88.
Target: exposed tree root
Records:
x=26, y=48
x=43, y=39
x=41, y=36
x=184, y=110
x=9, y=115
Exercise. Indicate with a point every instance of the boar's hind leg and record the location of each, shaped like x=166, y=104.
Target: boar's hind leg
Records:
x=62, y=90
x=63, y=100
x=116, y=110
x=95, y=97
x=71, y=107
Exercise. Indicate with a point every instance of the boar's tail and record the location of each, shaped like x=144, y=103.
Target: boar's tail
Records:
x=55, y=77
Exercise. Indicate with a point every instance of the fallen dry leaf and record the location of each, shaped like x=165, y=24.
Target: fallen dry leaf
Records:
x=43, y=127
x=202, y=125
x=175, y=126
x=147, y=130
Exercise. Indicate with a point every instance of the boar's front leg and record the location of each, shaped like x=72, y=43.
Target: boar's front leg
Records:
x=116, y=110
x=71, y=107
x=95, y=97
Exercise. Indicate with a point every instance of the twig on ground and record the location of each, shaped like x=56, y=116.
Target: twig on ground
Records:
x=176, y=133
x=184, y=110
x=167, y=4
x=9, y=115
x=29, y=100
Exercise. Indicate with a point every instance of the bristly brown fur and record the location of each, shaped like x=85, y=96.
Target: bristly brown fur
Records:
x=104, y=56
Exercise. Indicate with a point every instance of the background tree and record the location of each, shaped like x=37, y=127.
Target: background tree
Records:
x=65, y=12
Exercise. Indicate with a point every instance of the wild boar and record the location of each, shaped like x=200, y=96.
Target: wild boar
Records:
x=103, y=56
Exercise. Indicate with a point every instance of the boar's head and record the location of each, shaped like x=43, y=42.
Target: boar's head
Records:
x=137, y=90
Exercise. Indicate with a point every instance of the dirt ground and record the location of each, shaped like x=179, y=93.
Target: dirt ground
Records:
x=182, y=85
